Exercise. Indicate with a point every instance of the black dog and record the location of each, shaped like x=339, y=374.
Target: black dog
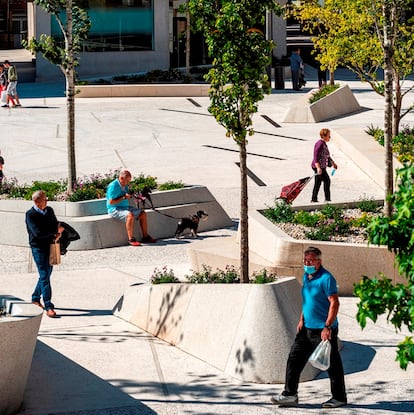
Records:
x=190, y=223
x=142, y=196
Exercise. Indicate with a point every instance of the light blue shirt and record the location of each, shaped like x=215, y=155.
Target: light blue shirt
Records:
x=114, y=191
x=315, y=293
x=37, y=209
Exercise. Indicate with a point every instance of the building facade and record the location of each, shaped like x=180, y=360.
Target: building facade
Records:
x=126, y=36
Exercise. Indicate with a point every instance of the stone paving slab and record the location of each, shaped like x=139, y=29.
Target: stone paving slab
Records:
x=90, y=362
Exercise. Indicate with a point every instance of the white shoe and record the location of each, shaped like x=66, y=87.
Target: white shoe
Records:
x=283, y=400
x=333, y=403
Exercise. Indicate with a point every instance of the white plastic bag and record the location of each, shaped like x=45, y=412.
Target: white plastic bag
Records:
x=321, y=356
x=3, y=97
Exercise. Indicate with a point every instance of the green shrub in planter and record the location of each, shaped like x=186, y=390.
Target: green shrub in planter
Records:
x=163, y=276
x=323, y=92
x=230, y=275
x=171, y=185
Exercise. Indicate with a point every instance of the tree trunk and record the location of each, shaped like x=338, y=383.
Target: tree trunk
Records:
x=331, y=77
x=388, y=110
x=244, y=226
x=397, y=106
x=187, y=43
x=70, y=99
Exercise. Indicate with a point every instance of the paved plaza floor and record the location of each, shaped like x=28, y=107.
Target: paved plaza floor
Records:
x=88, y=361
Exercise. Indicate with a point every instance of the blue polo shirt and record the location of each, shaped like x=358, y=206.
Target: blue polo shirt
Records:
x=315, y=293
x=114, y=191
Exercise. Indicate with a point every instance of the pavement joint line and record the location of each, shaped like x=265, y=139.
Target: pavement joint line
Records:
x=96, y=118
x=155, y=136
x=158, y=366
x=120, y=158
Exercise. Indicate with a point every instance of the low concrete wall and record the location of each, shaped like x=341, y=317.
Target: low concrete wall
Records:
x=364, y=151
x=143, y=90
x=98, y=230
x=347, y=262
x=18, y=334
x=274, y=250
x=245, y=330
x=338, y=103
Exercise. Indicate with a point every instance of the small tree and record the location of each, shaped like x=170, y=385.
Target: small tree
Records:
x=364, y=36
x=379, y=295
x=238, y=78
x=74, y=24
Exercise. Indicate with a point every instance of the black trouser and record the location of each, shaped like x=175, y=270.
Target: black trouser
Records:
x=295, y=80
x=305, y=343
x=319, y=178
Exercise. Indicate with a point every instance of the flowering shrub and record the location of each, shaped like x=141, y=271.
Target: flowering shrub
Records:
x=85, y=188
x=163, y=276
x=229, y=275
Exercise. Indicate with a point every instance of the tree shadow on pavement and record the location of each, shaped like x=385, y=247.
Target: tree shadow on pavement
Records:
x=57, y=384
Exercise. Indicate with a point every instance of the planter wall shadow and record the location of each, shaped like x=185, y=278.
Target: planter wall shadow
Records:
x=245, y=330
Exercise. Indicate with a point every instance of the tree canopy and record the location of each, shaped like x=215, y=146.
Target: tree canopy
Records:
x=241, y=53
x=379, y=295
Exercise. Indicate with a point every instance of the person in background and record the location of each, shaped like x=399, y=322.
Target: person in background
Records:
x=43, y=229
x=295, y=66
x=117, y=204
x=321, y=76
x=321, y=160
x=318, y=322
x=12, y=97
x=1, y=168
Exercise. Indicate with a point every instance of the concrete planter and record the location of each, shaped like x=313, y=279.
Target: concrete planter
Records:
x=338, y=103
x=18, y=334
x=99, y=230
x=245, y=330
x=348, y=262
x=273, y=249
x=142, y=90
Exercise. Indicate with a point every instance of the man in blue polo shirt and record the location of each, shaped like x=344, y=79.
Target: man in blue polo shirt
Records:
x=318, y=322
x=117, y=203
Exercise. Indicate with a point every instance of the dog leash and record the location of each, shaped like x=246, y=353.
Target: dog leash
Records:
x=142, y=200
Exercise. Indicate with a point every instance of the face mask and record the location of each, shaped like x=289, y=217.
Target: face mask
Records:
x=309, y=269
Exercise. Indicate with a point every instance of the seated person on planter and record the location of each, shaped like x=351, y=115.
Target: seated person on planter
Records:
x=117, y=203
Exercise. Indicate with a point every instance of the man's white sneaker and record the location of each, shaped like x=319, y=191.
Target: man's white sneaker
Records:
x=283, y=400
x=333, y=403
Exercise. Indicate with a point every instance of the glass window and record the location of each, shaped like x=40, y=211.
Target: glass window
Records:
x=117, y=25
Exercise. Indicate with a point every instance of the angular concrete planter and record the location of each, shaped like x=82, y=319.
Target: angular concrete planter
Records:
x=98, y=230
x=338, y=103
x=274, y=250
x=245, y=330
x=347, y=262
x=18, y=334
x=143, y=90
